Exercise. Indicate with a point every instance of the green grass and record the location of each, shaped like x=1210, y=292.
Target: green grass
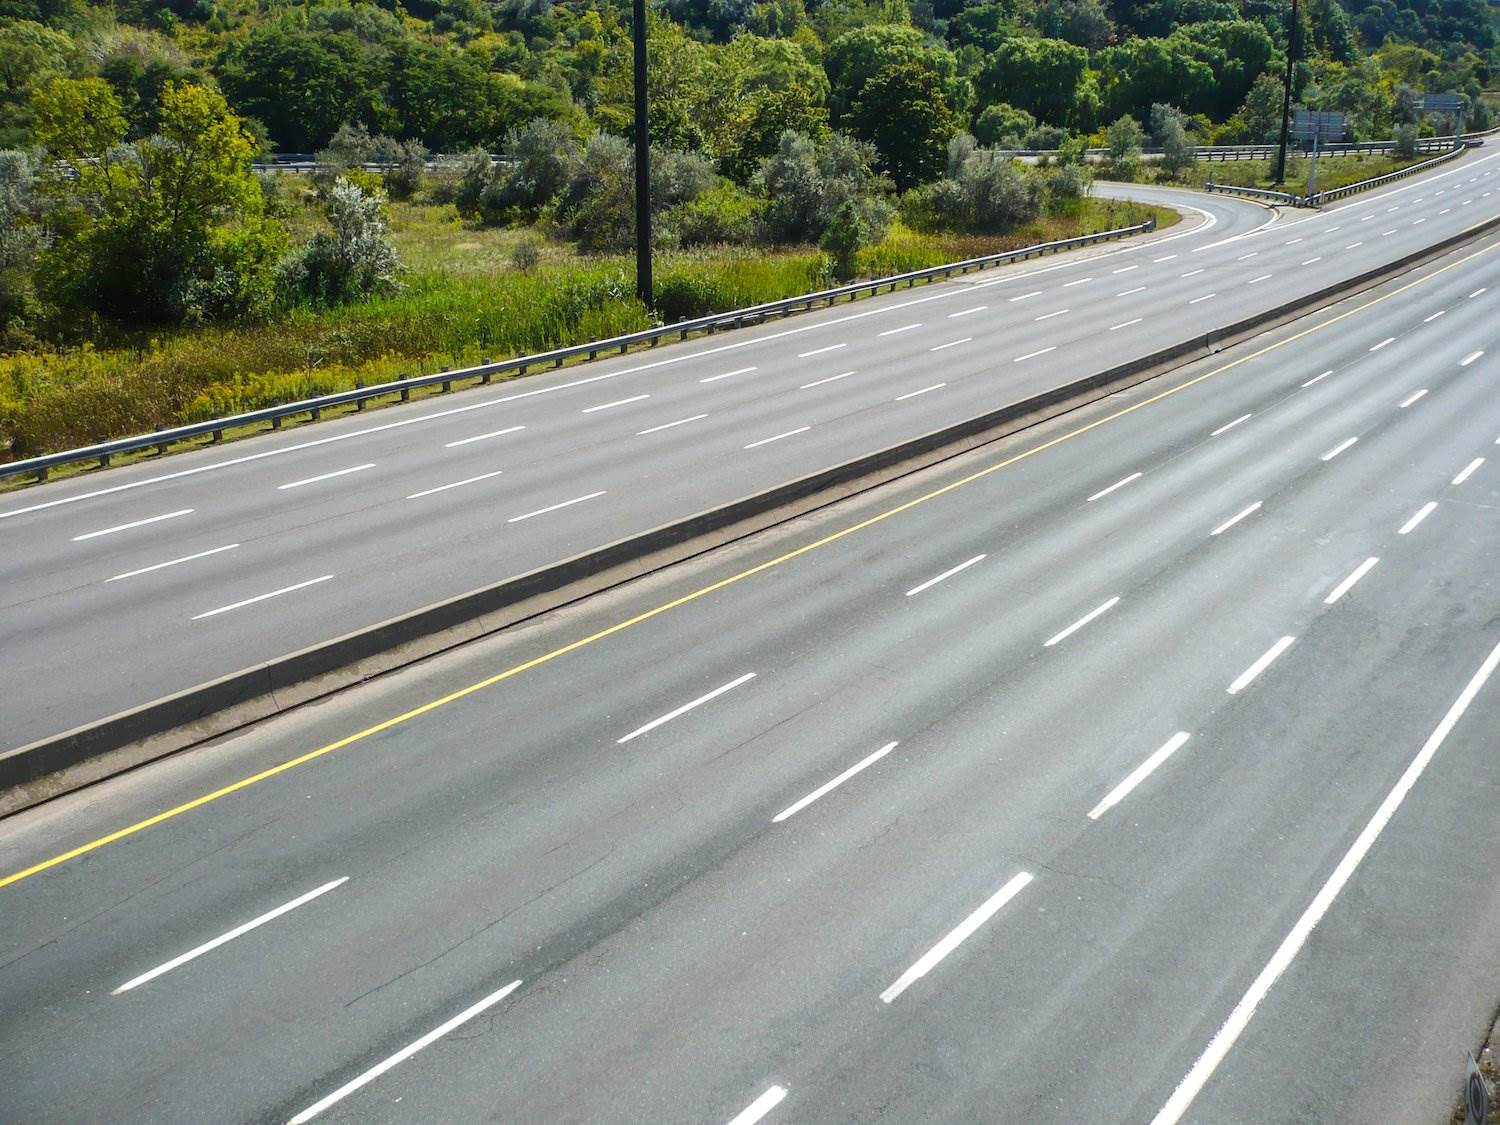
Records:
x=463, y=302
x=1333, y=171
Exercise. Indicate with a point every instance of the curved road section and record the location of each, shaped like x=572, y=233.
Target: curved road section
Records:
x=130, y=585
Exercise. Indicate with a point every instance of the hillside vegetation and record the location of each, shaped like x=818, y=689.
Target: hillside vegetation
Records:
x=147, y=275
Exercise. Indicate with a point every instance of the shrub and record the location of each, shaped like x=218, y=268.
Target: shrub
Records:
x=354, y=260
x=808, y=181
x=1046, y=137
x=1004, y=126
x=1067, y=183
x=405, y=162
x=1168, y=130
x=544, y=157
x=527, y=254
x=1406, y=142
x=721, y=215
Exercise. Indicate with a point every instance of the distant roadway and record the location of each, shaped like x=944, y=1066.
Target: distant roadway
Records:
x=120, y=587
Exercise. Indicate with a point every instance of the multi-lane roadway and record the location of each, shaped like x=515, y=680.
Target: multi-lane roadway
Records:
x=125, y=586
x=1137, y=768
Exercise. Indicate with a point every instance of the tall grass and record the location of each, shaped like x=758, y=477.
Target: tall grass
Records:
x=57, y=400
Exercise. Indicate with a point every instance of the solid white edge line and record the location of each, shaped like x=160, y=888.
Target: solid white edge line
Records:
x=1139, y=774
x=238, y=931
x=481, y=437
x=952, y=344
x=1082, y=621
x=133, y=523
x=405, y=1053
x=1468, y=359
x=1468, y=470
x=1245, y=678
x=1234, y=519
x=1343, y=587
x=1111, y=488
x=820, y=382
x=1421, y=514
x=778, y=437
x=914, y=394
x=759, y=1107
x=728, y=375
x=1218, y=1048
x=171, y=562
x=686, y=707
x=955, y=937
x=1339, y=448
x=262, y=597
x=829, y=786
x=931, y=582
x=555, y=507
x=325, y=476
x=669, y=425
x=1411, y=398
x=612, y=405
x=1230, y=425
x=1317, y=378
x=455, y=484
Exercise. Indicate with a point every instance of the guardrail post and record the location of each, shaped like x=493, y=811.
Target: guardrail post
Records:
x=161, y=447
x=41, y=476
x=447, y=385
x=218, y=436
x=484, y=376
x=406, y=391
x=275, y=425
x=359, y=403
x=314, y=414
x=104, y=460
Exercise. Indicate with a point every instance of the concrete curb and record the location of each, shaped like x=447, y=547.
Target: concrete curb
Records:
x=70, y=760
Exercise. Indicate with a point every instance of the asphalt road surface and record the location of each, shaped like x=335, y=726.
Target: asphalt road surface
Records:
x=126, y=586
x=1140, y=767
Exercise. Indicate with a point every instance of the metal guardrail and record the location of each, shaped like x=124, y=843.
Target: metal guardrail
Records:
x=737, y=318
x=1282, y=197
x=1321, y=197
x=1287, y=199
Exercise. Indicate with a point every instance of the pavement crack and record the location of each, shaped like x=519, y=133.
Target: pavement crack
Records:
x=484, y=929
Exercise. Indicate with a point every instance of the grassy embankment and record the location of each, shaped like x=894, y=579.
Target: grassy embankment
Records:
x=463, y=301
x=1333, y=171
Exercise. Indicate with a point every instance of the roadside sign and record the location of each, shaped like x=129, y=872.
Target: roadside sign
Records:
x=1476, y=1096
x=1318, y=125
x=1442, y=103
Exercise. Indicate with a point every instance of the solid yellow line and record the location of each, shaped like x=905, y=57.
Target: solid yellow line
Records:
x=433, y=705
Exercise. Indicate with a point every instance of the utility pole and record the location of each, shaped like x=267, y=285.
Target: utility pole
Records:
x=643, y=287
x=1286, y=94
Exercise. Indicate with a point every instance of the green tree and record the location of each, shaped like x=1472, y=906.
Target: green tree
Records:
x=30, y=55
x=901, y=112
x=1140, y=72
x=1124, y=139
x=1169, y=133
x=1047, y=78
x=1003, y=125
x=301, y=85
x=846, y=233
x=857, y=56
x=177, y=226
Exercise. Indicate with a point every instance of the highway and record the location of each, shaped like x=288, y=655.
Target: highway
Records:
x=125, y=586
x=1137, y=768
